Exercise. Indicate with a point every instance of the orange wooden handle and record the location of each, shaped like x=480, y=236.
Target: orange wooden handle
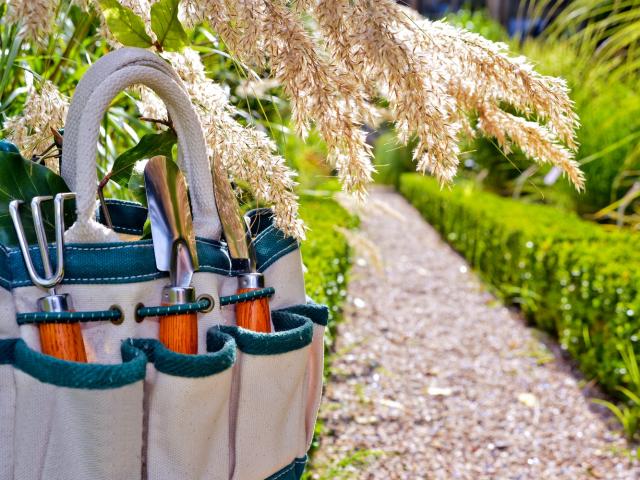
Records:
x=254, y=314
x=63, y=340
x=179, y=333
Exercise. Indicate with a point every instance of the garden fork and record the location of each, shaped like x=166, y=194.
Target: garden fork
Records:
x=61, y=340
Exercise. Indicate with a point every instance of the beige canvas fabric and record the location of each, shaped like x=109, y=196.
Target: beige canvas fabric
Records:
x=7, y=420
x=314, y=382
x=188, y=426
x=8, y=329
x=270, y=411
x=66, y=433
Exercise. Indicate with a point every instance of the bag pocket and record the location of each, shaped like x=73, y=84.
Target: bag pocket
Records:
x=269, y=396
x=319, y=315
x=77, y=420
x=187, y=410
x=7, y=407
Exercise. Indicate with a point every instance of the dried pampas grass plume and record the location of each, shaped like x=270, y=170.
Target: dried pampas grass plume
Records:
x=535, y=140
x=35, y=16
x=43, y=110
x=366, y=38
x=246, y=153
x=320, y=94
x=434, y=76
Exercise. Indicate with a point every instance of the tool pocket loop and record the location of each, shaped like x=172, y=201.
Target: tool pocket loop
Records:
x=87, y=417
x=269, y=396
x=187, y=410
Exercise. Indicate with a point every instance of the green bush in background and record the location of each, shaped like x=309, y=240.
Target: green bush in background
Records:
x=391, y=159
x=609, y=113
x=569, y=277
x=326, y=254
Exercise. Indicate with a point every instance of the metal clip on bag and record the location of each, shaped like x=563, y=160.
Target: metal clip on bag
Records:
x=243, y=408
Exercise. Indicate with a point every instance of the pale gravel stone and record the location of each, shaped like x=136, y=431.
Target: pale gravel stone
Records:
x=446, y=383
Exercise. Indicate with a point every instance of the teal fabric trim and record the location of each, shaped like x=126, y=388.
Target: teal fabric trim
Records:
x=68, y=317
x=127, y=217
x=129, y=262
x=93, y=376
x=221, y=356
x=7, y=348
x=292, y=333
x=293, y=471
x=164, y=310
x=318, y=314
x=247, y=296
x=271, y=245
x=118, y=262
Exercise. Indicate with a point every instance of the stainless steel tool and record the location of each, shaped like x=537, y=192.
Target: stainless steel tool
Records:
x=253, y=314
x=174, y=245
x=62, y=340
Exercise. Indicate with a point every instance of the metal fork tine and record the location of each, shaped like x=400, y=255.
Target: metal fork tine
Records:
x=59, y=214
x=50, y=278
x=38, y=224
x=14, y=211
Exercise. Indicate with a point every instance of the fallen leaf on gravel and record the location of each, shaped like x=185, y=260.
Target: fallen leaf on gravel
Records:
x=439, y=391
x=529, y=399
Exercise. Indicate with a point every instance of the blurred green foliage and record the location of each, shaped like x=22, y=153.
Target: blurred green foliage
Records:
x=480, y=22
x=326, y=253
x=391, y=159
x=609, y=114
x=570, y=277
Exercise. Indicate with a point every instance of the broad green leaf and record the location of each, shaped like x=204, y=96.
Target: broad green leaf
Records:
x=125, y=25
x=166, y=26
x=22, y=179
x=136, y=183
x=150, y=145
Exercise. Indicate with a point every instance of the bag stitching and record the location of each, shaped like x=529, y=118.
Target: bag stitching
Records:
x=281, y=253
x=288, y=469
x=127, y=229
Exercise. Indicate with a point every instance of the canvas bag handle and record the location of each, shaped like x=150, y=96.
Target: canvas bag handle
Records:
x=103, y=81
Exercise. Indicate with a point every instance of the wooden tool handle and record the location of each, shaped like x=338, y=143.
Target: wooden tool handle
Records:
x=179, y=333
x=253, y=314
x=63, y=340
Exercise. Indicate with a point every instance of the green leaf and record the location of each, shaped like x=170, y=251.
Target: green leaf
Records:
x=136, y=184
x=125, y=25
x=150, y=145
x=166, y=26
x=22, y=180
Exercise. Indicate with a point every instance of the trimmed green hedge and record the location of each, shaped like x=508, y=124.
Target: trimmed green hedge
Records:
x=569, y=276
x=326, y=253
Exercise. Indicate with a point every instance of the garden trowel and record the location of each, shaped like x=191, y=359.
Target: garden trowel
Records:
x=174, y=245
x=251, y=314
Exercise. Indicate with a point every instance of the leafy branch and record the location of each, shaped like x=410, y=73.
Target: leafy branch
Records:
x=129, y=29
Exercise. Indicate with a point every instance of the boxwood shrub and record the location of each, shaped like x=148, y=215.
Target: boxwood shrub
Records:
x=569, y=276
x=326, y=254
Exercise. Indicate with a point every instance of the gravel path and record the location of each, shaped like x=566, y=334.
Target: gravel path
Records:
x=433, y=378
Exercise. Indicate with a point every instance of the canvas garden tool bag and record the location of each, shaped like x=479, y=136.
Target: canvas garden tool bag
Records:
x=244, y=407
